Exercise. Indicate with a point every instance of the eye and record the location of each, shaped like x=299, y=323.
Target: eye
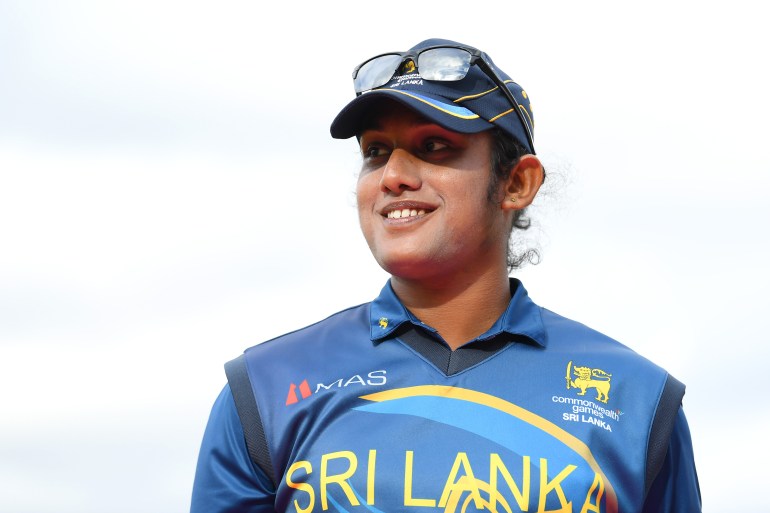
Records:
x=434, y=145
x=373, y=151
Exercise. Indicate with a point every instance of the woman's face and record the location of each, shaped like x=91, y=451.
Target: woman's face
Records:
x=423, y=198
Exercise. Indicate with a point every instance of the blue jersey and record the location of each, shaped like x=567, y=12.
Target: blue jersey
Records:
x=369, y=411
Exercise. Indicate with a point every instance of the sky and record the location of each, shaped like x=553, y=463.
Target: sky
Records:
x=170, y=195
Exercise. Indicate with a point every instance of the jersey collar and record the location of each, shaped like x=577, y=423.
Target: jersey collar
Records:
x=522, y=317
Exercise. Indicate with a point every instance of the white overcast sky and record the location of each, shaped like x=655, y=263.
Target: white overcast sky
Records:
x=170, y=195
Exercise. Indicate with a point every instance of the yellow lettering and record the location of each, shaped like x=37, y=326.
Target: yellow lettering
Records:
x=370, y=477
x=521, y=495
x=303, y=487
x=598, y=487
x=453, y=484
x=339, y=479
x=547, y=487
x=408, y=499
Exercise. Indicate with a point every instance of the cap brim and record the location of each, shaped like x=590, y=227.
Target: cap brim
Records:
x=353, y=117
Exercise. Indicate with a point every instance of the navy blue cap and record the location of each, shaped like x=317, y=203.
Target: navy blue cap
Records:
x=471, y=105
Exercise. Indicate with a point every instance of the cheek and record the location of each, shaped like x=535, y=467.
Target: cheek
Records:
x=366, y=189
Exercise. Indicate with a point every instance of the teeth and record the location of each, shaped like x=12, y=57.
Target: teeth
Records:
x=398, y=214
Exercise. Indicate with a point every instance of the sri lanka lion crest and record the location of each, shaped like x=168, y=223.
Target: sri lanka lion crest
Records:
x=589, y=378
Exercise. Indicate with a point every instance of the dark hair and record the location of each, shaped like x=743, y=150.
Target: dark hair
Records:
x=505, y=153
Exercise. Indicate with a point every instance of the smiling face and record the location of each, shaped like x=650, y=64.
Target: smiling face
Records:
x=423, y=199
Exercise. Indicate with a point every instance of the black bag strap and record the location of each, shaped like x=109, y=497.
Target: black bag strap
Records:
x=248, y=412
x=662, y=427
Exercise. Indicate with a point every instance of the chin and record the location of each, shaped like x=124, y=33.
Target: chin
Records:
x=410, y=266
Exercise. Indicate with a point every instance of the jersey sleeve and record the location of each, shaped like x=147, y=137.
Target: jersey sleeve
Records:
x=676, y=489
x=226, y=481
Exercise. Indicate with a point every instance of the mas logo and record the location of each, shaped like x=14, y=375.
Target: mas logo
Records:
x=373, y=378
x=586, y=378
x=304, y=390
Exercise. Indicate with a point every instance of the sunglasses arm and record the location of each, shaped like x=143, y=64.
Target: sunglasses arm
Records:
x=487, y=69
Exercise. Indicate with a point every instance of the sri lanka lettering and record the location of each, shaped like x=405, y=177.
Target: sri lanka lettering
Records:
x=538, y=487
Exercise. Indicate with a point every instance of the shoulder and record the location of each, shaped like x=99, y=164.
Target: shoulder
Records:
x=590, y=355
x=640, y=389
x=565, y=335
x=352, y=320
x=558, y=327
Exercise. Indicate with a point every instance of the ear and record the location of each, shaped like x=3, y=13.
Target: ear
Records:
x=523, y=183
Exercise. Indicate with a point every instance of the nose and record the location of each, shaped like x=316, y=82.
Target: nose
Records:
x=401, y=173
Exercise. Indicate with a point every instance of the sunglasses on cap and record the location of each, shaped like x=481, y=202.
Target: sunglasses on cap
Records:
x=442, y=63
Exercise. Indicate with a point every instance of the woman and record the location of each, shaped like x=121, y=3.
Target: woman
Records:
x=452, y=390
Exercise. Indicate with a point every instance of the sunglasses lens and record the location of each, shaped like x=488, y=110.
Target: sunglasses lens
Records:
x=376, y=72
x=444, y=64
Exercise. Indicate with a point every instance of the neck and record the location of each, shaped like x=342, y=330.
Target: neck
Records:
x=460, y=309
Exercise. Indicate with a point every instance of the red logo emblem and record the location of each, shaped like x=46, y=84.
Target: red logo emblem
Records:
x=304, y=390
